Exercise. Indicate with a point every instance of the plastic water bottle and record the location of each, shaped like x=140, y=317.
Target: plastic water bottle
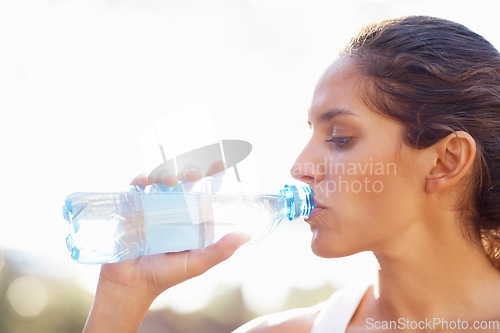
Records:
x=116, y=226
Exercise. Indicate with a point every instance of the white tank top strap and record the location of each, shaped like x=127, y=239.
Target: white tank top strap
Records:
x=337, y=311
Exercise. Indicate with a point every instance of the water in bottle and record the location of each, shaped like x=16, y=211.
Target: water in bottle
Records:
x=116, y=226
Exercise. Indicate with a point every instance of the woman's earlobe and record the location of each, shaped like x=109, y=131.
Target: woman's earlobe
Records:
x=455, y=157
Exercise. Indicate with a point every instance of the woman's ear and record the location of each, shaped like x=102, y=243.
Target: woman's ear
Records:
x=454, y=157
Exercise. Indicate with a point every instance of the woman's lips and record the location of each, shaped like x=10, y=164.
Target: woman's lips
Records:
x=316, y=210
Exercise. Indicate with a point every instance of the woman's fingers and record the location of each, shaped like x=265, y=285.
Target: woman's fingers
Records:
x=168, y=178
x=191, y=173
x=202, y=260
x=140, y=180
x=216, y=167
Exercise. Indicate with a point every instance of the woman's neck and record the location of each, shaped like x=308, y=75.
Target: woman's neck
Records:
x=436, y=273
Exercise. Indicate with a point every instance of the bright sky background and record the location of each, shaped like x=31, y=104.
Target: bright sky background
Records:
x=82, y=82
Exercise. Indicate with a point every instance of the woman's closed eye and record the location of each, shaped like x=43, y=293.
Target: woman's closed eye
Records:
x=340, y=141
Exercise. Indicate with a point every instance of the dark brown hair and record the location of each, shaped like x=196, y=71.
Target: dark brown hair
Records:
x=436, y=77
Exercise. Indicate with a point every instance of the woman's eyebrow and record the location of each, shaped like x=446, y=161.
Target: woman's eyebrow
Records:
x=330, y=114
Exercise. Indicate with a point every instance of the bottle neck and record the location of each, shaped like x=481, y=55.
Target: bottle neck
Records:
x=299, y=201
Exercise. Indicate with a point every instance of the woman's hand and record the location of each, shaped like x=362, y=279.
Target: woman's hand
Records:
x=126, y=289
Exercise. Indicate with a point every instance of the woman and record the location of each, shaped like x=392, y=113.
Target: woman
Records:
x=404, y=161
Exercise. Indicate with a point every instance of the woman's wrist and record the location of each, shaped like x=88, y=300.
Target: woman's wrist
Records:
x=117, y=308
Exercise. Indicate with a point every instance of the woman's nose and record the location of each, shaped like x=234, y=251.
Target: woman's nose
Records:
x=308, y=167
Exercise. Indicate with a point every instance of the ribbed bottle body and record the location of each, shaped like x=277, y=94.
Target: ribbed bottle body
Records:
x=104, y=227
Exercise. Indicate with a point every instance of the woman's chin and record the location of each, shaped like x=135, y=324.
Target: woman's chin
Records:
x=325, y=249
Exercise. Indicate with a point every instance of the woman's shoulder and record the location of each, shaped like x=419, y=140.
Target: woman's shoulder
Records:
x=291, y=321
x=334, y=312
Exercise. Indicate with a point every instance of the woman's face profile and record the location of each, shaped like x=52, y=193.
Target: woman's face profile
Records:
x=368, y=185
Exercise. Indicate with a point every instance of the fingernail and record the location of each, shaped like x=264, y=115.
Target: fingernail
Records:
x=167, y=176
x=190, y=169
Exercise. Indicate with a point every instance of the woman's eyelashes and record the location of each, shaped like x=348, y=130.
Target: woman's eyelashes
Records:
x=340, y=141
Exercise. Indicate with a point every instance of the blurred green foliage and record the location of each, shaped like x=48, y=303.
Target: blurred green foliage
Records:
x=67, y=306
x=225, y=313
x=65, y=310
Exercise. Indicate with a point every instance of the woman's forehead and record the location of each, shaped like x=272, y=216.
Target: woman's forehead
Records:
x=338, y=88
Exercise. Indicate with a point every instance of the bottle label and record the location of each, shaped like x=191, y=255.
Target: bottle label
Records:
x=172, y=222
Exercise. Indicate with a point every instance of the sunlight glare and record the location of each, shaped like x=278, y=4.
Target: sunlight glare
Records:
x=27, y=296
